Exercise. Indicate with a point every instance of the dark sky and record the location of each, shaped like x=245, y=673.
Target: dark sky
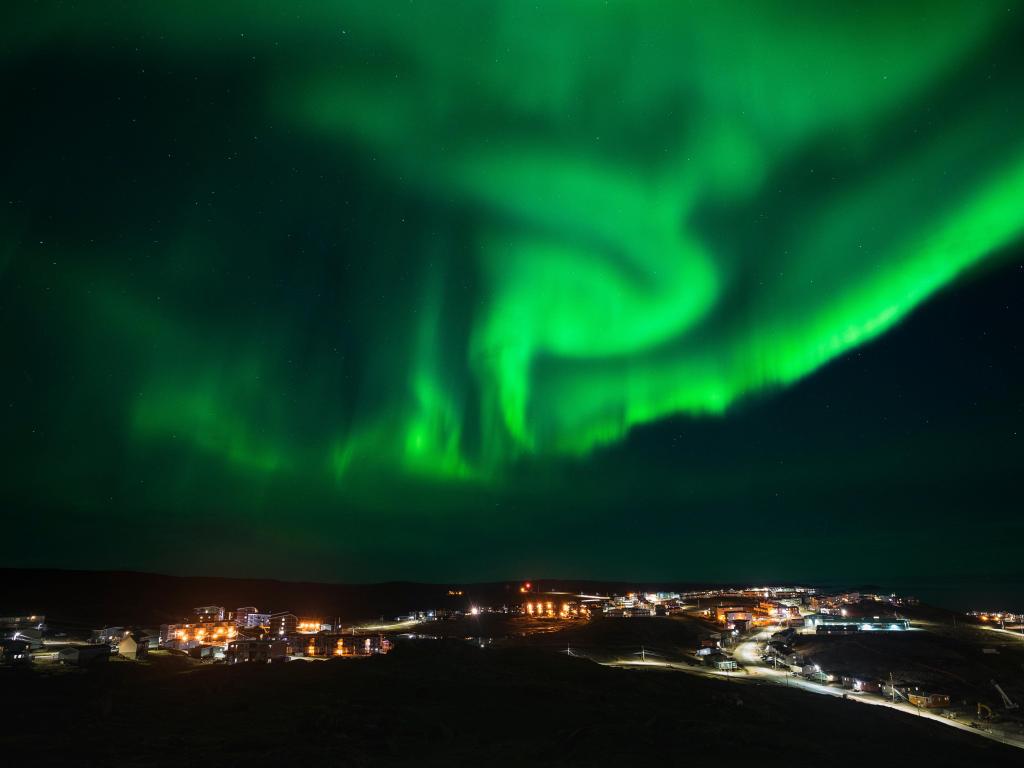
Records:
x=489, y=292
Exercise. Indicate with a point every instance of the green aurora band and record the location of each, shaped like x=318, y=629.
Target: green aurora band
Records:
x=586, y=216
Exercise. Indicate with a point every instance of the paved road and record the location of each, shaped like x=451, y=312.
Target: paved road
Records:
x=748, y=654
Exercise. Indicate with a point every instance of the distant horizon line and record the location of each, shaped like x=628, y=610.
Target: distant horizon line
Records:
x=830, y=583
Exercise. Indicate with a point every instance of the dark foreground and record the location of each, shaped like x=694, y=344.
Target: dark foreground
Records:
x=449, y=704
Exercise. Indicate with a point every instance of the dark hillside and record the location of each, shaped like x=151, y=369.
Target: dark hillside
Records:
x=449, y=704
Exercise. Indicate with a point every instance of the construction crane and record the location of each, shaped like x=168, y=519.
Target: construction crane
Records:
x=1007, y=703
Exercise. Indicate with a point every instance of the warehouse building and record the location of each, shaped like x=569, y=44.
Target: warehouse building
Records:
x=827, y=623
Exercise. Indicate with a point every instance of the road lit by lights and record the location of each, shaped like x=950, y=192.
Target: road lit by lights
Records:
x=388, y=626
x=1011, y=633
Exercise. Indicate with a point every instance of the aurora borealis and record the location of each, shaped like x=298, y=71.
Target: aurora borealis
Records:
x=365, y=280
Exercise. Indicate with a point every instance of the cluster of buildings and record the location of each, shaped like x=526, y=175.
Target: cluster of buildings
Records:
x=733, y=609
x=210, y=632
x=823, y=613
x=247, y=634
x=737, y=609
x=16, y=649
x=564, y=609
x=19, y=636
x=27, y=629
x=800, y=594
x=834, y=603
x=834, y=619
x=1002, y=618
x=643, y=604
x=740, y=608
x=780, y=653
x=710, y=652
x=742, y=618
x=130, y=643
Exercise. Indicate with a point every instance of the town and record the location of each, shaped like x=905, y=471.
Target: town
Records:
x=211, y=633
x=791, y=635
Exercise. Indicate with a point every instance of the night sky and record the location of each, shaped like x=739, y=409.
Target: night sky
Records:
x=490, y=289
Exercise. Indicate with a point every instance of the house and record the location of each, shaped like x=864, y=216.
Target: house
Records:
x=256, y=651
x=84, y=655
x=813, y=672
x=14, y=653
x=133, y=647
x=785, y=635
x=865, y=686
x=860, y=684
x=148, y=637
x=33, y=637
x=208, y=652
x=721, y=662
x=928, y=700
x=112, y=636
